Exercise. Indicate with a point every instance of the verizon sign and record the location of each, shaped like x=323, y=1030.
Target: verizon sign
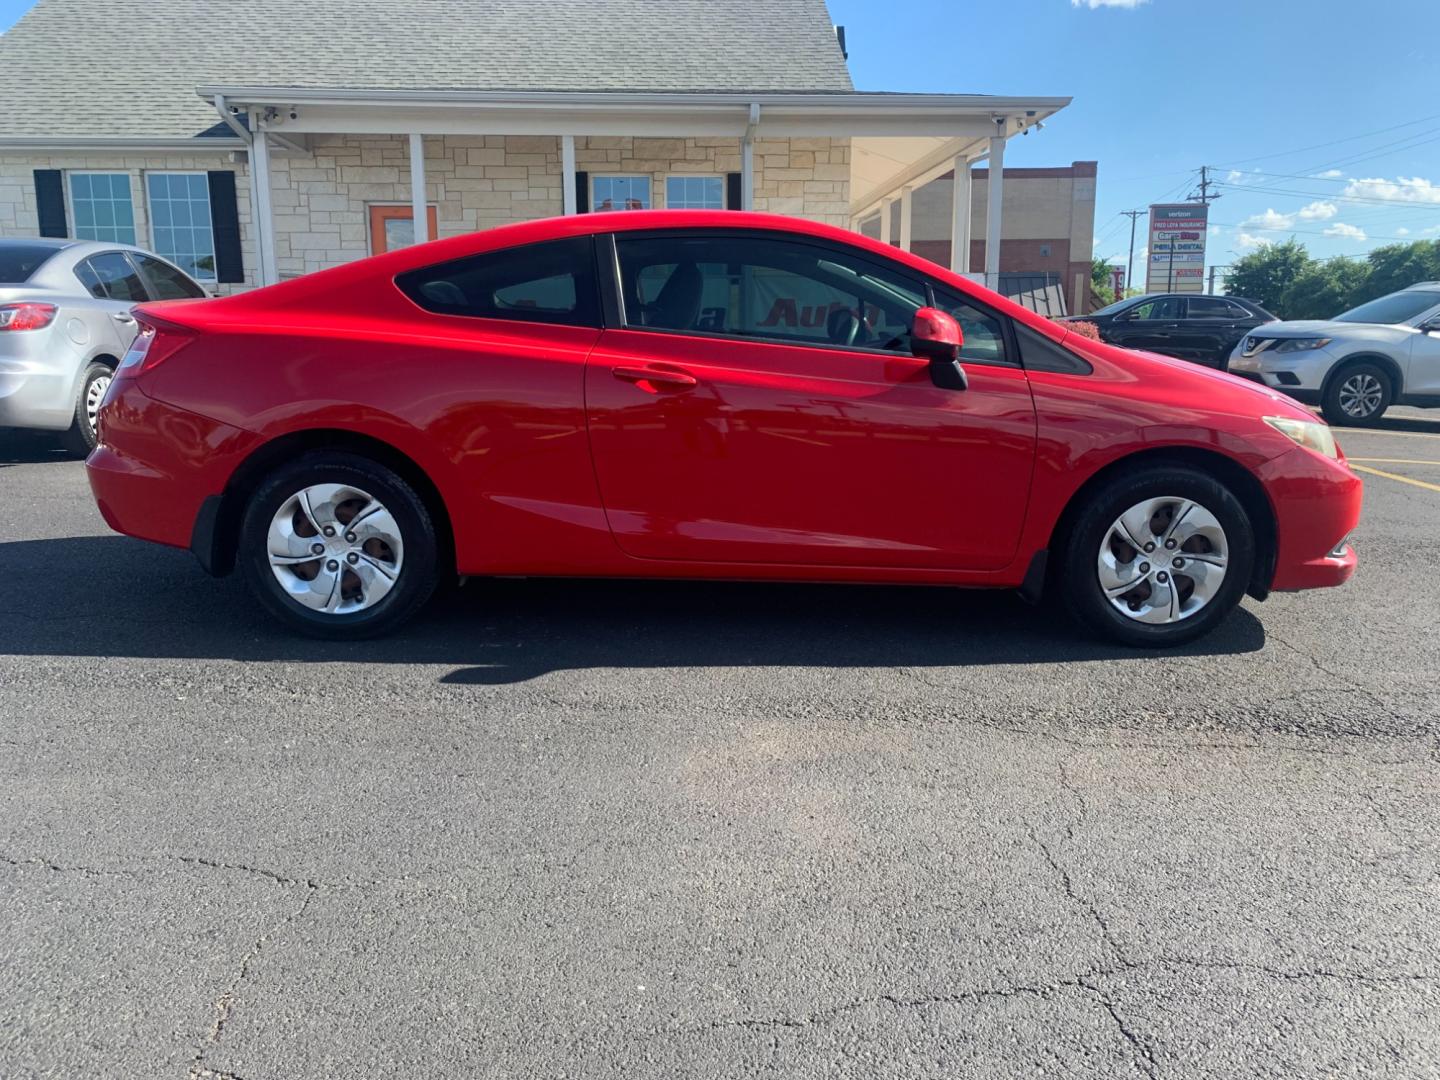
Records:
x=1177, y=247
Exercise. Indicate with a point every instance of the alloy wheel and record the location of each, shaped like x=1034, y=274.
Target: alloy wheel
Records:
x=335, y=548
x=1163, y=560
x=1360, y=395
x=94, y=395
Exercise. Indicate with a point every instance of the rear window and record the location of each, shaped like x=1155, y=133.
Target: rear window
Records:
x=19, y=261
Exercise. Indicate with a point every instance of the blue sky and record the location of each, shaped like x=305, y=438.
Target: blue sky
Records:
x=1165, y=86
x=1320, y=115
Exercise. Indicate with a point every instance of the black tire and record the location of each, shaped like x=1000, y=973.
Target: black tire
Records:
x=414, y=583
x=1079, y=583
x=80, y=438
x=1330, y=402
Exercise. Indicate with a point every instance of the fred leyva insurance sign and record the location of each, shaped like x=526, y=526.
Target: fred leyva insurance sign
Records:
x=1177, y=247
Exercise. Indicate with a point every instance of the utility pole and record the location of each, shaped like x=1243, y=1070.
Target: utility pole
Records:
x=1206, y=184
x=1130, y=266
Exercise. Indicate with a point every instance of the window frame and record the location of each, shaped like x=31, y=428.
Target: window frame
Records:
x=137, y=260
x=647, y=177
x=145, y=175
x=719, y=177
x=71, y=200
x=378, y=213
x=614, y=306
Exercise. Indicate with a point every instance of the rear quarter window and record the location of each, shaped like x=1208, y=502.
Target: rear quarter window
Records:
x=551, y=282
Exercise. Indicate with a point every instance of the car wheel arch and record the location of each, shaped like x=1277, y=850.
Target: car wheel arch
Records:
x=1380, y=360
x=263, y=459
x=1245, y=485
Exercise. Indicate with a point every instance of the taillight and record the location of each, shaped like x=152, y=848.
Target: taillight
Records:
x=27, y=316
x=150, y=347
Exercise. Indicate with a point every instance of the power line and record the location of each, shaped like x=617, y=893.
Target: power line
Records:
x=1328, y=197
x=1334, y=142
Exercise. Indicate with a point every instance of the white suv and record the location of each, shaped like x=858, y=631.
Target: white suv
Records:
x=1356, y=365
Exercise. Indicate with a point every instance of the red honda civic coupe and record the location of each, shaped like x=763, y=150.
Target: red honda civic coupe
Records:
x=701, y=395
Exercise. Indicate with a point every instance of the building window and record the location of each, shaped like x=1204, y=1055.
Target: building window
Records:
x=101, y=207
x=695, y=192
x=393, y=227
x=180, y=224
x=620, y=193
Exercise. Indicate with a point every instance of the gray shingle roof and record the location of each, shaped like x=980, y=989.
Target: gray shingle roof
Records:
x=130, y=67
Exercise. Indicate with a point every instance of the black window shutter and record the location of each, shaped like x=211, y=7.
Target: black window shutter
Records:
x=582, y=192
x=734, y=192
x=225, y=220
x=50, y=201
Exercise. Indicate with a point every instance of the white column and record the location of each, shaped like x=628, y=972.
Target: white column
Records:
x=263, y=212
x=960, y=218
x=907, y=216
x=567, y=174
x=419, y=206
x=995, y=196
x=885, y=221
x=747, y=159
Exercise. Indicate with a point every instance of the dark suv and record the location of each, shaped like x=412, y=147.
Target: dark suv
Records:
x=1202, y=329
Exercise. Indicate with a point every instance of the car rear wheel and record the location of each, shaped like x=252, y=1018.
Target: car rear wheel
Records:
x=80, y=438
x=335, y=545
x=1157, y=557
x=1359, y=394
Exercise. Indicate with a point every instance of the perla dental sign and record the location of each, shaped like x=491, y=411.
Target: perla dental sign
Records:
x=1177, y=247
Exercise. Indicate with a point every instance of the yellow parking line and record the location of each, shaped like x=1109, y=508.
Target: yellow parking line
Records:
x=1393, y=461
x=1350, y=432
x=1396, y=476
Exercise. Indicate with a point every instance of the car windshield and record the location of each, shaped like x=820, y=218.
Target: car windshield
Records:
x=1396, y=308
x=19, y=261
x=1119, y=305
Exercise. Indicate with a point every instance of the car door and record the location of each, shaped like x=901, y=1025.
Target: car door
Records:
x=758, y=403
x=1207, y=331
x=1422, y=375
x=116, y=286
x=1149, y=325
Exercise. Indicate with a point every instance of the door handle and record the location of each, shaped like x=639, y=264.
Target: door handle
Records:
x=123, y=317
x=655, y=377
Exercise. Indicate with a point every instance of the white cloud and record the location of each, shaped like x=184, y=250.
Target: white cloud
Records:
x=1402, y=231
x=1411, y=189
x=1214, y=230
x=1270, y=219
x=1245, y=242
x=1329, y=174
x=1346, y=232
x=1319, y=211
x=1093, y=4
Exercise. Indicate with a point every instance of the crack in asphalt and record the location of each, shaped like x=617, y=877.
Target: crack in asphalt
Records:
x=225, y=1004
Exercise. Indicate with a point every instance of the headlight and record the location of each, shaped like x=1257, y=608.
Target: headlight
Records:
x=1302, y=344
x=1308, y=433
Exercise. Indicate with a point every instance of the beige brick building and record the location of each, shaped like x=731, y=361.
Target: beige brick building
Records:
x=322, y=141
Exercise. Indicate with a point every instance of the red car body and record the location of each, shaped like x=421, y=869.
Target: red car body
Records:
x=606, y=451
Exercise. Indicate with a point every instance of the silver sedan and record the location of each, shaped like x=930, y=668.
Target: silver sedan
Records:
x=65, y=322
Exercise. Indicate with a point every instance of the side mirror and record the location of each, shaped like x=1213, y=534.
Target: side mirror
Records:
x=1430, y=326
x=936, y=336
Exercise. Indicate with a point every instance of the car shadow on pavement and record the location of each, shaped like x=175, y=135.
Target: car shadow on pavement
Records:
x=113, y=596
x=32, y=447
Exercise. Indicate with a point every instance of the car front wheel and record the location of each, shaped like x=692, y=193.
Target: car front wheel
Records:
x=1360, y=394
x=1157, y=557
x=335, y=545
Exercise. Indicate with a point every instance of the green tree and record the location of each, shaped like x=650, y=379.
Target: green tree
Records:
x=1398, y=266
x=1101, y=281
x=1326, y=288
x=1267, y=272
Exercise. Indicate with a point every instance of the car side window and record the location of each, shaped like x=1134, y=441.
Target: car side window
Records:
x=117, y=276
x=1165, y=307
x=91, y=280
x=766, y=288
x=1205, y=307
x=167, y=282
x=550, y=282
x=982, y=332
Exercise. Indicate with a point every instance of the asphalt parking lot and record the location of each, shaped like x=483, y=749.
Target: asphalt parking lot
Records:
x=633, y=830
